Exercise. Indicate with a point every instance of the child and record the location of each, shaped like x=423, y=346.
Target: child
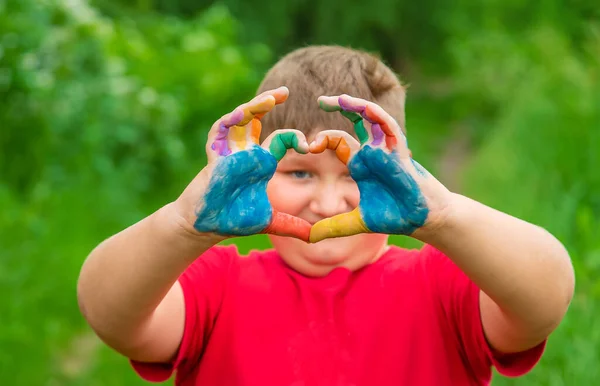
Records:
x=332, y=303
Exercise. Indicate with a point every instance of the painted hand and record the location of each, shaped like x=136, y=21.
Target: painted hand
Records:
x=397, y=195
x=231, y=199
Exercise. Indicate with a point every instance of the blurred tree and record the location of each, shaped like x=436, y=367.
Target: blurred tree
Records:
x=100, y=120
x=104, y=111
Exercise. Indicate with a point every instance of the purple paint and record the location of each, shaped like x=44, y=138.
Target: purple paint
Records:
x=220, y=143
x=220, y=146
x=377, y=134
x=349, y=107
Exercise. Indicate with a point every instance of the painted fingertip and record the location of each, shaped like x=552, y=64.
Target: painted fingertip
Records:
x=268, y=101
x=284, y=141
x=303, y=147
x=281, y=94
x=328, y=107
x=299, y=143
x=318, y=145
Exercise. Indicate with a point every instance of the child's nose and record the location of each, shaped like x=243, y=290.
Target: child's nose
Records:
x=329, y=199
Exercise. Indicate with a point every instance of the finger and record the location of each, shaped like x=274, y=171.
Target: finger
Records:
x=381, y=128
x=331, y=103
x=395, y=138
x=345, y=224
x=246, y=132
x=217, y=145
x=241, y=128
x=281, y=140
x=344, y=144
x=284, y=224
x=258, y=106
x=280, y=94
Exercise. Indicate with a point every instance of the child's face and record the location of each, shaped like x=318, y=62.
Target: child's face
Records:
x=314, y=187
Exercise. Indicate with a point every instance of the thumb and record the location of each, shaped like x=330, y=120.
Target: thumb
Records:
x=283, y=224
x=345, y=224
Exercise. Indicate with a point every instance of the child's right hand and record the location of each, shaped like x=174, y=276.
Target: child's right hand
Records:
x=228, y=197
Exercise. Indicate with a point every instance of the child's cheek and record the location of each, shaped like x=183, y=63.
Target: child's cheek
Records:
x=351, y=193
x=284, y=195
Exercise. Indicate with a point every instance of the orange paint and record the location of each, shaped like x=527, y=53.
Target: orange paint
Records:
x=390, y=136
x=255, y=131
x=284, y=224
x=391, y=142
x=375, y=117
x=280, y=96
x=343, y=151
x=339, y=144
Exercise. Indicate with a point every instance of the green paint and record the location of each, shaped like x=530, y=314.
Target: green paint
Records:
x=355, y=118
x=359, y=127
x=361, y=132
x=282, y=142
x=329, y=108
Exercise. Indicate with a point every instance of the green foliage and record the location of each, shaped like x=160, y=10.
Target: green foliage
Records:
x=106, y=120
x=540, y=162
x=104, y=111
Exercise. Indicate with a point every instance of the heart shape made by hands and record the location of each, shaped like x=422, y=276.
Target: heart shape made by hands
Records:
x=236, y=201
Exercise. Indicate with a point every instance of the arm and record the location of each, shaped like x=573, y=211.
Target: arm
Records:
x=128, y=289
x=525, y=274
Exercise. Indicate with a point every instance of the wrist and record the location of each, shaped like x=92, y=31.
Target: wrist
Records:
x=444, y=221
x=180, y=231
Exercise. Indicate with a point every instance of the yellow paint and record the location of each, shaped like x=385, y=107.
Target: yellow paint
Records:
x=237, y=134
x=255, y=109
x=345, y=224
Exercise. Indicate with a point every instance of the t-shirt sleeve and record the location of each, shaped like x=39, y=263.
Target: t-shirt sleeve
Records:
x=203, y=284
x=458, y=298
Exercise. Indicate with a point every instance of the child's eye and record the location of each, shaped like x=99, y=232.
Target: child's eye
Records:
x=300, y=174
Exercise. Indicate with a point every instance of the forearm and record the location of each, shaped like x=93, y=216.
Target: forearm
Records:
x=520, y=266
x=125, y=278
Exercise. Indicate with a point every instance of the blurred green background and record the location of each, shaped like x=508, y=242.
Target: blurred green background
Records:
x=105, y=105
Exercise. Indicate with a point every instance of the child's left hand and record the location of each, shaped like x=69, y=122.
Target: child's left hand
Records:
x=397, y=195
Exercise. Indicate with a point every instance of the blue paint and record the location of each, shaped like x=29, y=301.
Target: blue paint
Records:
x=420, y=169
x=236, y=200
x=390, y=199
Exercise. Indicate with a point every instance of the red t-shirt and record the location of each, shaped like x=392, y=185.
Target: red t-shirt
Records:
x=411, y=318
